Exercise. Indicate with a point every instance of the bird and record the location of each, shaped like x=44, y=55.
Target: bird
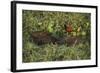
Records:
x=68, y=29
x=69, y=38
x=44, y=37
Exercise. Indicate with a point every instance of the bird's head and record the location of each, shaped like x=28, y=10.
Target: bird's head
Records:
x=68, y=27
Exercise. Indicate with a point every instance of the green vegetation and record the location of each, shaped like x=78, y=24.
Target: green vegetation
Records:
x=50, y=52
x=53, y=23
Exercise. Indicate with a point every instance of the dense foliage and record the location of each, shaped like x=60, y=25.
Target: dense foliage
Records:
x=53, y=22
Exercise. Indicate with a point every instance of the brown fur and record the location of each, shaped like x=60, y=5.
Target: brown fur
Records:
x=41, y=38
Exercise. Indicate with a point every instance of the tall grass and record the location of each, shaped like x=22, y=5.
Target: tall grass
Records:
x=53, y=22
x=54, y=52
